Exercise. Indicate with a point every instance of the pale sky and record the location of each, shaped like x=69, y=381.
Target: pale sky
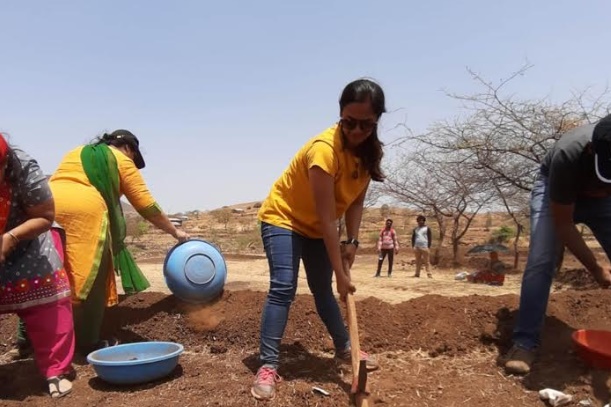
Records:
x=222, y=94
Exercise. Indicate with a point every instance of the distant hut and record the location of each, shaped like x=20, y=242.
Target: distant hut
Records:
x=176, y=221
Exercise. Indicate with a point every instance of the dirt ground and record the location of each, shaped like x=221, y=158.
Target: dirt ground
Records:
x=438, y=341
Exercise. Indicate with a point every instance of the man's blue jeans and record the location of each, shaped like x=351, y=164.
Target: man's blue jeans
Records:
x=284, y=249
x=543, y=255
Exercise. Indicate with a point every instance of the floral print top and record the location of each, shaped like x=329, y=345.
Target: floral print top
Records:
x=33, y=274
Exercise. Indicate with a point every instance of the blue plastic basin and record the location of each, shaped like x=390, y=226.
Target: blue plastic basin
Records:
x=195, y=271
x=137, y=362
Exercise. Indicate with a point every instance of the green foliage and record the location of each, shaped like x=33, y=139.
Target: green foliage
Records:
x=503, y=234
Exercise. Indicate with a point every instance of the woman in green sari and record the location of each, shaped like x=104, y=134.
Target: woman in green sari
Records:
x=87, y=187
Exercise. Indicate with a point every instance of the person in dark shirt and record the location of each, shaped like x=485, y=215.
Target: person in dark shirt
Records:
x=574, y=186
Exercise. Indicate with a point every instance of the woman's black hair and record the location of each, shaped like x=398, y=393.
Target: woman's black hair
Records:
x=110, y=140
x=120, y=138
x=370, y=151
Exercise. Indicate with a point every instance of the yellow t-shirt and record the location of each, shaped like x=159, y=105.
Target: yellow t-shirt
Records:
x=290, y=203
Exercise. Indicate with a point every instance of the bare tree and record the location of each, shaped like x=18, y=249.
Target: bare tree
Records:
x=409, y=183
x=517, y=206
x=222, y=216
x=374, y=193
x=136, y=227
x=509, y=137
x=436, y=183
x=506, y=138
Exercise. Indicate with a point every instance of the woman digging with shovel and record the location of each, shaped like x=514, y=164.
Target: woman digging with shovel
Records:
x=326, y=179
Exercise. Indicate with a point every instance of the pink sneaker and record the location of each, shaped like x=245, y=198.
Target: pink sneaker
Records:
x=346, y=357
x=264, y=387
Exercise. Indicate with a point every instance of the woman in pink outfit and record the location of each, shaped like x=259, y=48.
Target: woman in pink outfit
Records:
x=33, y=283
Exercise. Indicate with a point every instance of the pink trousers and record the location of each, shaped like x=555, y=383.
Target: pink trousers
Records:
x=50, y=329
x=51, y=332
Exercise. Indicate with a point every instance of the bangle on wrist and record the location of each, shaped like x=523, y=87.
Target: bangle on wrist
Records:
x=12, y=235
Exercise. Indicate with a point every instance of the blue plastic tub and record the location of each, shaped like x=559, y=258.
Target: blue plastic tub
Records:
x=195, y=271
x=135, y=363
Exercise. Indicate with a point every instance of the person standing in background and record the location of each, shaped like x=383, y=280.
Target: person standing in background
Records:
x=388, y=245
x=421, y=243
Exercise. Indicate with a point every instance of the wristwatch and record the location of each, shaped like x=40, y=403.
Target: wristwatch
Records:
x=351, y=241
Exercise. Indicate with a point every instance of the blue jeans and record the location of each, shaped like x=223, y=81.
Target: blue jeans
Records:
x=544, y=252
x=284, y=249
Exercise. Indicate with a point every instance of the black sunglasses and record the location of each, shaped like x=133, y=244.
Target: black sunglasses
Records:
x=351, y=124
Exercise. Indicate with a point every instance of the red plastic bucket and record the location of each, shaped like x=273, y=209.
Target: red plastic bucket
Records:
x=594, y=347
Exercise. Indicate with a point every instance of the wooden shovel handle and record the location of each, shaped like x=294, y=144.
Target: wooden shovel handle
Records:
x=353, y=330
x=361, y=399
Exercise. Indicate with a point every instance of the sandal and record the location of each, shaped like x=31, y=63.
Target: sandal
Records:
x=59, y=386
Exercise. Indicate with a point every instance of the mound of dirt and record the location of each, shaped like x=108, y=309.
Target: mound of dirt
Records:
x=434, y=351
x=576, y=279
